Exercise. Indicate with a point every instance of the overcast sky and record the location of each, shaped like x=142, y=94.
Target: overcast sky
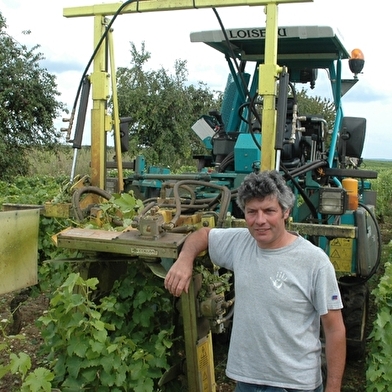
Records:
x=67, y=45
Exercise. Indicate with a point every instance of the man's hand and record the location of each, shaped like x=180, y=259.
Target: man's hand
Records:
x=180, y=274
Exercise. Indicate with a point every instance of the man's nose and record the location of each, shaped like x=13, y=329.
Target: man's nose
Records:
x=260, y=217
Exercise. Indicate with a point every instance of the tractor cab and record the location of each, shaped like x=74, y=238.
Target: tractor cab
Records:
x=304, y=52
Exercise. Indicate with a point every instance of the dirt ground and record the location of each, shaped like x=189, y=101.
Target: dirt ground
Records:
x=32, y=308
x=28, y=312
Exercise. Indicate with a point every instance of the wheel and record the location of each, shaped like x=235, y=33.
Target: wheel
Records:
x=355, y=296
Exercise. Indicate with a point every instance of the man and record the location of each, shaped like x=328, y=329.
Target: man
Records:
x=283, y=286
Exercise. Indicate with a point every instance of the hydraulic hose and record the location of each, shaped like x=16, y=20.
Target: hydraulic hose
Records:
x=312, y=208
x=81, y=191
x=307, y=167
x=225, y=201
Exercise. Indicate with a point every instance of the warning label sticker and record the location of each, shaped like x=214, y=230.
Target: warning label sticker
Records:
x=341, y=253
x=205, y=365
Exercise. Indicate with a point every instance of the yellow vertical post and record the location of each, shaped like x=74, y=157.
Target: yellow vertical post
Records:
x=100, y=94
x=190, y=334
x=267, y=87
x=198, y=343
x=116, y=117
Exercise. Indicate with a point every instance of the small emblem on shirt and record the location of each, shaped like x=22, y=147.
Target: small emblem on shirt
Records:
x=279, y=280
x=334, y=297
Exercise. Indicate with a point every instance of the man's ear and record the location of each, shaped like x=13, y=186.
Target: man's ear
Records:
x=286, y=214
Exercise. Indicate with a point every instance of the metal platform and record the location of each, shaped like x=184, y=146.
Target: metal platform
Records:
x=128, y=242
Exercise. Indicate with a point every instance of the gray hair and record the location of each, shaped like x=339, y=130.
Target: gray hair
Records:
x=265, y=184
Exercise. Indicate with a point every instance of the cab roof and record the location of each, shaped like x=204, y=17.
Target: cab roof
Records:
x=315, y=46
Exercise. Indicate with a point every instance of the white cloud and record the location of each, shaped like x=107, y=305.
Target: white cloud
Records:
x=67, y=44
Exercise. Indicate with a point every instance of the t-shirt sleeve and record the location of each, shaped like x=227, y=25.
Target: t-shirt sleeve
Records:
x=224, y=245
x=327, y=293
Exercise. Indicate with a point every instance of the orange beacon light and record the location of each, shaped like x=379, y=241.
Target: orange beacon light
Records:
x=356, y=61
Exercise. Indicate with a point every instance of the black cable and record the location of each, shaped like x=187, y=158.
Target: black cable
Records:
x=306, y=198
x=252, y=106
x=233, y=56
x=241, y=109
x=293, y=91
x=232, y=53
x=96, y=51
x=307, y=167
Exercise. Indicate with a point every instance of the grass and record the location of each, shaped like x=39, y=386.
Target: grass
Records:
x=59, y=163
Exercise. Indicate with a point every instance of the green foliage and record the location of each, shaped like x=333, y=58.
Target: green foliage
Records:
x=121, y=343
x=381, y=185
x=384, y=192
x=19, y=364
x=163, y=108
x=219, y=283
x=379, y=372
x=316, y=105
x=28, y=105
x=39, y=380
x=118, y=212
x=34, y=190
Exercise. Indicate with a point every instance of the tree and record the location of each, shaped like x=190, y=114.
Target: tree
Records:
x=163, y=108
x=28, y=105
x=317, y=105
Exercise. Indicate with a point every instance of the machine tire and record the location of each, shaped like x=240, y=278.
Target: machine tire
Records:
x=355, y=296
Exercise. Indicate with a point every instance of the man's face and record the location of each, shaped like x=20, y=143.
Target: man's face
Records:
x=266, y=222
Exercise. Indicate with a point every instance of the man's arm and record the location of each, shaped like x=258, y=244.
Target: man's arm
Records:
x=335, y=349
x=179, y=276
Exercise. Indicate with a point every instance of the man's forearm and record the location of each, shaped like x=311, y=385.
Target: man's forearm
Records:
x=335, y=350
x=178, y=277
x=194, y=244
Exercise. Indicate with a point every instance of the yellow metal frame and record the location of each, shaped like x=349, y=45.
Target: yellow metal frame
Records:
x=166, y=5
x=101, y=122
x=198, y=346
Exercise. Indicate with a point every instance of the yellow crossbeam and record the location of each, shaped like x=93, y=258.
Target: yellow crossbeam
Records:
x=165, y=5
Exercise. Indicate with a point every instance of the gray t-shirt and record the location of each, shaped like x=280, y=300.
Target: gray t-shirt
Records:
x=280, y=295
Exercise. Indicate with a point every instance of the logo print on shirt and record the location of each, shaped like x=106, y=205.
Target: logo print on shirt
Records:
x=279, y=280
